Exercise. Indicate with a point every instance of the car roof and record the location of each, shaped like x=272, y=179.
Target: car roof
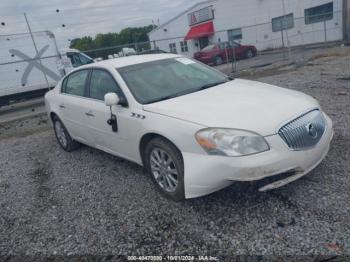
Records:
x=134, y=60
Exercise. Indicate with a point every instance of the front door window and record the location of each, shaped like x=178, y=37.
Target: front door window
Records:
x=101, y=84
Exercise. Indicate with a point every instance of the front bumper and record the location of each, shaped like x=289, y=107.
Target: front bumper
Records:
x=205, y=174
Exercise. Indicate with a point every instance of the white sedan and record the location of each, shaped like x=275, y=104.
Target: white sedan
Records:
x=194, y=129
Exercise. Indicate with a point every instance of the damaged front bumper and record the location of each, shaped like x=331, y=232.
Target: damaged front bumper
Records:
x=205, y=174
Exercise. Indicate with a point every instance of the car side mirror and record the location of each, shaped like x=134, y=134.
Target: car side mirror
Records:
x=112, y=99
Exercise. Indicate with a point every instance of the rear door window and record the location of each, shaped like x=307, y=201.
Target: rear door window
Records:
x=75, y=83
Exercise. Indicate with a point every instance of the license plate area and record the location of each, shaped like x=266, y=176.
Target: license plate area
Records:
x=277, y=181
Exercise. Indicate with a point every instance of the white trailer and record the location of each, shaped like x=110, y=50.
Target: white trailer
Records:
x=28, y=70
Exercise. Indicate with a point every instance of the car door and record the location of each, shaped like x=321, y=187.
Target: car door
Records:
x=73, y=109
x=101, y=83
x=239, y=50
x=227, y=51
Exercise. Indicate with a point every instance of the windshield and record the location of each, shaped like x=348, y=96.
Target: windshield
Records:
x=208, y=48
x=85, y=59
x=164, y=79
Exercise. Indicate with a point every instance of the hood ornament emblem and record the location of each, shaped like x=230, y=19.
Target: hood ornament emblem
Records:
x=311, y=130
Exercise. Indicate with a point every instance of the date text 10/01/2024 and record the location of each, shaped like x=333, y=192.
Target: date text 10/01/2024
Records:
x=172, y=258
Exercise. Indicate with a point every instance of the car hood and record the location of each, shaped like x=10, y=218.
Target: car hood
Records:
x=239, y=104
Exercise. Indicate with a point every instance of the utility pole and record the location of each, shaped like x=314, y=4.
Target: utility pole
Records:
x=346, y=19
x=284, y=24
x=135, y=43
x=36, y=48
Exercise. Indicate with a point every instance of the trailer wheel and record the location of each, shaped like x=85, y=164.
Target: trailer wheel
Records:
x=3, y=102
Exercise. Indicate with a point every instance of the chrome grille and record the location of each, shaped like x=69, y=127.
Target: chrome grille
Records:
x=305, y=131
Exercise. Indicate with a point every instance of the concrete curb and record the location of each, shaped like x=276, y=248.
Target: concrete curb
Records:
x=21, y=118
x=22, y=111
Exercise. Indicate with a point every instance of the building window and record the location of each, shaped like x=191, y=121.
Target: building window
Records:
x=172, y=48
x=184, y=46
x=234, y=34
x=319, y=13
x=283, y=22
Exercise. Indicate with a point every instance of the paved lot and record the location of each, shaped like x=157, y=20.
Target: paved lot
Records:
x=88, y=202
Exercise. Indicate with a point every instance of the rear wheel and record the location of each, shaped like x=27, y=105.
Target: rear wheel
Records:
x=218, y=60
x=249, y=54
x=163, y=161
x=63, y=137
x=3, y=102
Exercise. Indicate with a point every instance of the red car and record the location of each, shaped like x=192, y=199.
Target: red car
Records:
x=220, y=53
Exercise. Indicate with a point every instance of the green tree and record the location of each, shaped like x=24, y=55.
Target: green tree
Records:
x=135, y=37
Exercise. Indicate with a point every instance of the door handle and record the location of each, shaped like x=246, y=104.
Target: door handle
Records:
x=62, y=106
x=89, y=114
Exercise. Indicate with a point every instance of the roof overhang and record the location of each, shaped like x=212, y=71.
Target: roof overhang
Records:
x=201, y=30
x=182, y=13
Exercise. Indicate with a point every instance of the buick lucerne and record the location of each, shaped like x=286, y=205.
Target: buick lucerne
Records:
x=193, y=129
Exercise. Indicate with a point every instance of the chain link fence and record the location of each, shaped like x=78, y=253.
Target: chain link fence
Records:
x=282, y=39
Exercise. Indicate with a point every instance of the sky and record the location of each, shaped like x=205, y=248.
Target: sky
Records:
x=85, y=17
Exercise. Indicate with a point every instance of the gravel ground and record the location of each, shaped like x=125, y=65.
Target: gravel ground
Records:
x=91, y=203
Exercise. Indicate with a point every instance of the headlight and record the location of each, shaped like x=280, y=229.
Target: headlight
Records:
x=231, y=142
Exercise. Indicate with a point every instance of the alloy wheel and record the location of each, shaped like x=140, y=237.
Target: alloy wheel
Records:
x=164, y=170
x=250, y=54
x=61, y=134
x=218, y=60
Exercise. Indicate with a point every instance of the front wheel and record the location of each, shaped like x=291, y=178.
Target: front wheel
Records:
x=163, y=161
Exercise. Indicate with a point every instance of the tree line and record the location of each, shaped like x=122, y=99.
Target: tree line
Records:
x=132, y=37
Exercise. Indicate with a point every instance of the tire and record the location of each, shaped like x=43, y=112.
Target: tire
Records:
x=63, y=137
x=3, y=102
x=249, y=54
x=164, y=175
x=218, y=60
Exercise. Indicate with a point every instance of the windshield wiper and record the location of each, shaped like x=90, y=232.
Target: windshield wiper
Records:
x=160, y=99
x=212, y=85
x=185, y=92
x=170, y=96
